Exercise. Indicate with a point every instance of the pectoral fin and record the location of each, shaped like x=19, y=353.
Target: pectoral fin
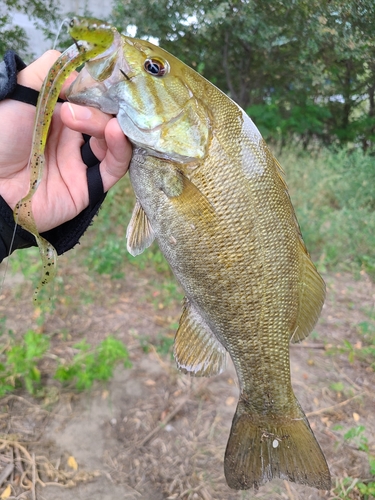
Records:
x=185, y=196
x=196, y=349
x=139, y=232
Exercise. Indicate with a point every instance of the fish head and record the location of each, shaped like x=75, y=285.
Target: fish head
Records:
x=152, y=94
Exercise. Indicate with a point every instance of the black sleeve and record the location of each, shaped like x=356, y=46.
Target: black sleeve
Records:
x=9, y=68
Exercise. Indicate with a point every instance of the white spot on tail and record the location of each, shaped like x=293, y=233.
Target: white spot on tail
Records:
x=275, y=443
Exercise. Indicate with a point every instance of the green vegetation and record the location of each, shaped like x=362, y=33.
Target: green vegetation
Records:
x=363, y=350
x=91, y=364
x=163, y=344
x=107, y=253
x=44, y=13
x=303, y=69
x=20, y=362
x=333, y=193
x=346, y=487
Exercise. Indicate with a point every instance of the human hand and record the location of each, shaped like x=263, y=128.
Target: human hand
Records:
x=63, y=192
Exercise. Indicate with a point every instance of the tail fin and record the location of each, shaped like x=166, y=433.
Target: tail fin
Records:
x=260, y=450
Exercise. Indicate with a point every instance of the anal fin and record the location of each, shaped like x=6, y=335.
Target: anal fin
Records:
x=139, y=232
x=196, y=349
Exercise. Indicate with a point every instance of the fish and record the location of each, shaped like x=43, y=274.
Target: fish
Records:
x=98, y=36
x=210, y=192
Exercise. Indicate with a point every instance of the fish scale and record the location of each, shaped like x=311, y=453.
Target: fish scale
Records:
x=210, y=192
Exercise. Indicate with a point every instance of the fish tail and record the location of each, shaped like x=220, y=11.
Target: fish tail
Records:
x=260, y=449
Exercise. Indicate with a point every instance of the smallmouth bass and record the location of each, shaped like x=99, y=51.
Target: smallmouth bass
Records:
x=211, y=193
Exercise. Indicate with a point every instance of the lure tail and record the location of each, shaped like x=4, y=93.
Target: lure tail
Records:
x=259, y=450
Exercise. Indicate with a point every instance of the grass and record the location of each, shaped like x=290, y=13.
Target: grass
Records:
x=334, y=197
x=333, y=193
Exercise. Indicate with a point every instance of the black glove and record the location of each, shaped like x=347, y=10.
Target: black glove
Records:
x=67, y=235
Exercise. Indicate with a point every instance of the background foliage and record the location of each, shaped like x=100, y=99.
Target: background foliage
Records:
x=45, y=15
x=303, y=69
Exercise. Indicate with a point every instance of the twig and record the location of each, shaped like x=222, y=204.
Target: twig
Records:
x=330, y=408
x=309, y=346
x=33, y=478
x=18, y=445
x=19, y=460
x=288, y=490
x=343, y=374
x=12, y=458
x=164, y=422
x=6, y=473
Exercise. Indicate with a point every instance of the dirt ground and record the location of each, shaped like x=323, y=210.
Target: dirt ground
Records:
x=152, y=433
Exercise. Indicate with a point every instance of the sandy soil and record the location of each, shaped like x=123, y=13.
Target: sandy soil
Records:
x=151, y=432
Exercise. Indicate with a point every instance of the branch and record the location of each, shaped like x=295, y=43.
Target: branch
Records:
x=330, y=408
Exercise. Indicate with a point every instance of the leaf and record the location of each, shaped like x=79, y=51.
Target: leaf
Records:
x=72, y=463
x=6, y=493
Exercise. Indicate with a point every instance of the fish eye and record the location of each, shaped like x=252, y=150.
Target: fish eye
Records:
x=156, y=67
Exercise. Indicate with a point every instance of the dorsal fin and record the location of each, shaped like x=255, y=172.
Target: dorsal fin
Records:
x=196, y=350
x=139, y=232
x=312, y=295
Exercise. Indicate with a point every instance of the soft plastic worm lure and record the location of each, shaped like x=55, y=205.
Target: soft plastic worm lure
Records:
x=91, y=38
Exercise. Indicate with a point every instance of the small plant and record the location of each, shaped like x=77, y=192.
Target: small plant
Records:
x=91, y=364
x=357, y=437
x=348, y=486
x=364, y=349
x=367, y=490
x=163, y=344
x=337, y=387
x=19, y=360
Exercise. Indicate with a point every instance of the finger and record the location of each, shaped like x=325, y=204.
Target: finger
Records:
x=34, y=74
x=86, y=120
x=116, y=161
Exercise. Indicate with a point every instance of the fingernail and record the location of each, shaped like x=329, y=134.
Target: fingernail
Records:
x=80, y=112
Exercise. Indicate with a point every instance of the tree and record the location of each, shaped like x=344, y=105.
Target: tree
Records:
x=305, y=68
x=44, y=13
